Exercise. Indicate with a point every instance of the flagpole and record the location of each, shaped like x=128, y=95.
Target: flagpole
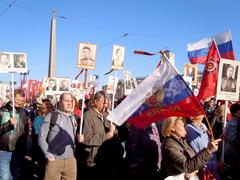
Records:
x=85, y=79
x=13, y=98
x=209, y=126
x=27, y=85
x=224, y=127
x=216, y=47
x=230, y=34
x=113, y=97
x=83, y=99
x=81, y=120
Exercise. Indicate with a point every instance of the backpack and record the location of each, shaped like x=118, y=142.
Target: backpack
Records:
x=53, y=120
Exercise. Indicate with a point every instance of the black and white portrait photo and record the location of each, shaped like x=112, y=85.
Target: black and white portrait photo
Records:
x=19, y=60
x=64, y=84
x=191, y=70
x=228, y=80
x=5, y=62
x=13, y=62
x=51, y=84
x=118, y=57
x=87, y=56
x=129, y=83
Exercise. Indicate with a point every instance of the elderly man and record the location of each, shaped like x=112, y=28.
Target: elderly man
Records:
x=96, y=130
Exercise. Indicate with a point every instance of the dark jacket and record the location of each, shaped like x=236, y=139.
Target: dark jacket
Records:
x=179, y=157
x=94, y=131
x=9, y=135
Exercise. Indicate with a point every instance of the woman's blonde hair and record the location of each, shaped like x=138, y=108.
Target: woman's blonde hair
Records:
x=168, y=124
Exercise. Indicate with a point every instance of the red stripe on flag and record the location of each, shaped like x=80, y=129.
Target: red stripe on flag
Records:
x=188, y=107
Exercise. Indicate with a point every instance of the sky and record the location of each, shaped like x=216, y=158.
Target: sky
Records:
x=151, y=25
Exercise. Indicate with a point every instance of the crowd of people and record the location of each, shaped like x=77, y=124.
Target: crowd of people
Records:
x=45, y=141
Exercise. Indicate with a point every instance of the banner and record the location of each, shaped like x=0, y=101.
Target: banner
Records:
x=111, y=85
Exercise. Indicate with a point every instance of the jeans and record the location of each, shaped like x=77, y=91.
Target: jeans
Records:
x=5, y=158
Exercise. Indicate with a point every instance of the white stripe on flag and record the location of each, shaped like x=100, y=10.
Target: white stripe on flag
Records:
x=206, y=42
x=132, y=102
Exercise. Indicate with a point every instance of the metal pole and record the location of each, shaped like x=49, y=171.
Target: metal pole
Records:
x=224, y=127
x=13, y=98
x=113, y=96
x=85, y=79
x=81, y=121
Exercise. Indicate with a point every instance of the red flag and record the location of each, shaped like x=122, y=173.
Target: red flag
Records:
x=210, y=74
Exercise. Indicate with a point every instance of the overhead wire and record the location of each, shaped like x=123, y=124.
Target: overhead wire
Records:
x=80, y=21
x=123, y=35
x=9, y=6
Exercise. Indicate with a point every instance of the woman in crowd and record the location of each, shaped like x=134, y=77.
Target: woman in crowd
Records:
x=45, y=108
x=198, y=137
x=178, y=156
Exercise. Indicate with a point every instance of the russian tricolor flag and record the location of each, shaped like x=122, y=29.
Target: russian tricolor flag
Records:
x=198, y=51
x=162, y=94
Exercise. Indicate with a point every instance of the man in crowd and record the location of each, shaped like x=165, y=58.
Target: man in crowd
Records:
x=11, y=128
x=57, y=141
x=96, y=130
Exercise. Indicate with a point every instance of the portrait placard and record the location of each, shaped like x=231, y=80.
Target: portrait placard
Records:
x=5, y=62
x=188, y=80
x=111, y=86
x=87, y=56
x=56, y=86
x=13, y=62
x=191, y=70
x=129, y=83
x=20, y=62
x=63, y=85
x=228, y=80
x=50, y=86
x=118, y=54
x=4, y=91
